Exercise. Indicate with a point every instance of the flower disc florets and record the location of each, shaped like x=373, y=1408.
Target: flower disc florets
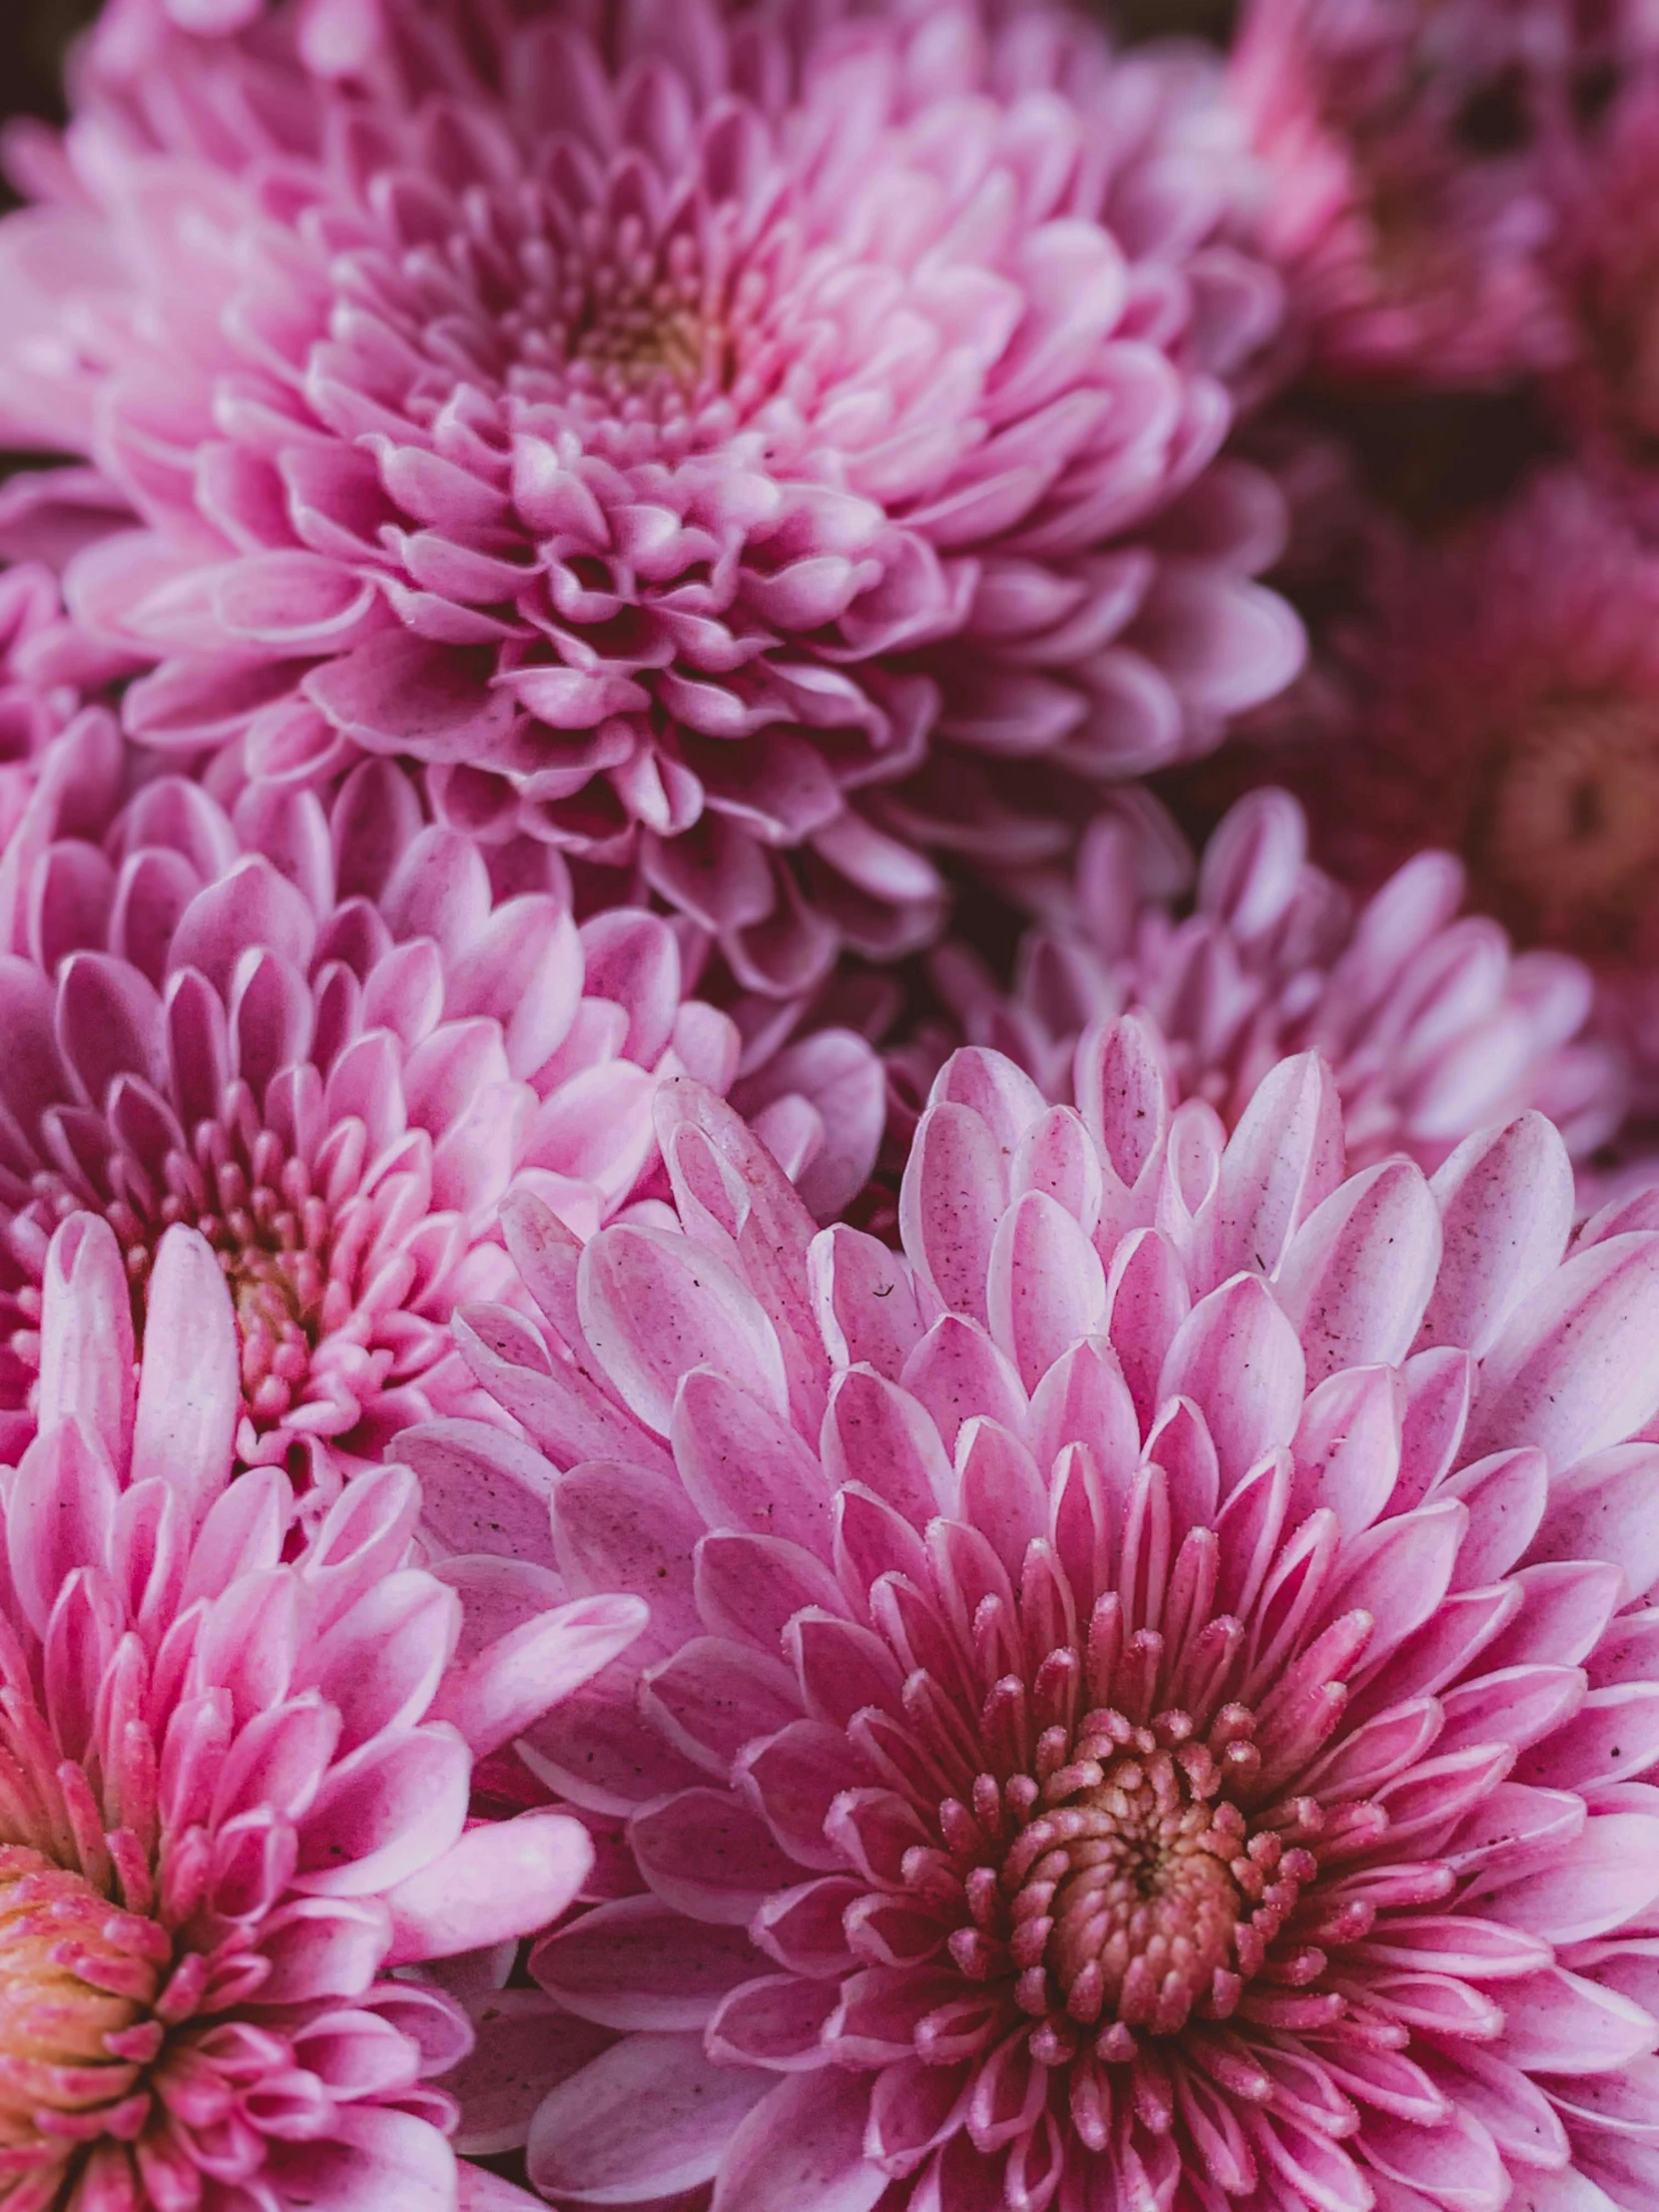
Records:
x=1149, y=1688
x=676, y=428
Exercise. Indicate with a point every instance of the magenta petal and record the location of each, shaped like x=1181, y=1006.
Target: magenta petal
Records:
x=495, y=1882
x=649, y=2119
x=189, y=1389
x=638, y=1964
x=1576, y=1365
x=706, y=1855
x=1609, y=1874
x=86, y=1358
x=805, y=2146
x=655, y=1312
x=398, y=694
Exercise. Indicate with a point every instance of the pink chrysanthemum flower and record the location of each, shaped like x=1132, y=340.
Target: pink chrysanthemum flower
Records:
x=1608, y=258
x=329, y=1043
x=1147, y=1690
x=1432, y=1027
x=235, y=1766
x=675, y=430
x=1507, y=704
x=1408, y=205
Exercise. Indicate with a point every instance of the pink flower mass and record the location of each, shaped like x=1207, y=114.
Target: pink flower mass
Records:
x=1409, y=204
x=1505, y=701
x=1432, y=1024
x=678, y=433
x=611, y=614
x=235, y=1764
x=329, y=1043
x=1147, y=1691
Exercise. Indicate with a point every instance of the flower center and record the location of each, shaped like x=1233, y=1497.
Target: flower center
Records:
x=78, y=1980
x=291, y=1274
x=1138, y=1892
x=612, y=323
x=1566, y=838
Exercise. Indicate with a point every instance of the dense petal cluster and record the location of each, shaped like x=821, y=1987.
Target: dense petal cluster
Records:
x=1507, y=704
x=235, y=1766
x=1432, y=1026
x=1410, y=204
x=39, y=698
x=672, y=430
x=1147, y=1689
x=329, y=1042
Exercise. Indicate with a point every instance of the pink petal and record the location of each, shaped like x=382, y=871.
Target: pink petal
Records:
x=497, y=1695
x=638, y=1964
x=1282, y=1160
x=1506, y=1207
x=1045, y=1286
x=86, y=1352
x=525, y=2045
x=386, y=1814
x=649, y=2119
x=1239, y=1358
x=706, y=1855
x=953, y=1193
x=804, y=2147
x=495, y=1882
x=745, y=1468
x=1606, y=1876
x=1576, y=1365
x=1359, y=1271
x=654, y=1306
x=190, y=1385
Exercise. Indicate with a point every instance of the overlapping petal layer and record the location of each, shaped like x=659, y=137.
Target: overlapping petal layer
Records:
x=1148, y=1692
x=1431, y=1025
x=732, y=450
x=235, y=1765
x=1411, y=207
x=329, y=1042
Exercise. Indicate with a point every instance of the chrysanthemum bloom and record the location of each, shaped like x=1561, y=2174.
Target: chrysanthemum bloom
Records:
x=1608, y=257
x=1146, y=1690
x=1507, y=690
x=674, y=430
x=1408, y=206
x=1432, y=1026
x=329, y=1042
x=235, y=1765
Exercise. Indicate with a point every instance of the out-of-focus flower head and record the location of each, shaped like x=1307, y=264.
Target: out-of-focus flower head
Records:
x=1409, y=201
x=329, y=1041
x=1432, y=1027
x=741, y=450
x=1505, y=693
x=235, y=1764
x=1607, y=256
x=1148, y=1689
